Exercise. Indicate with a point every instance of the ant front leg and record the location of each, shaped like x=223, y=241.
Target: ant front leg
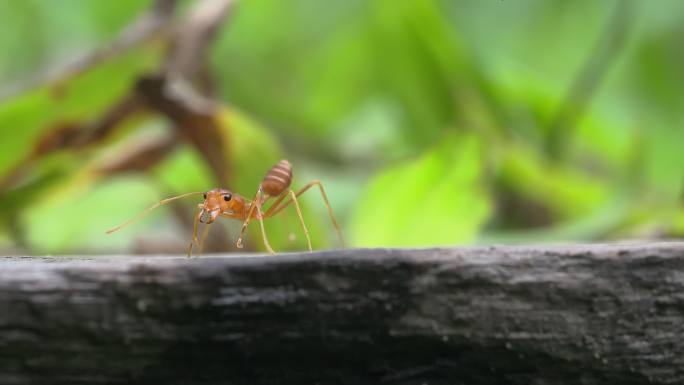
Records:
x=195, y=224
x=205, y=232
x=255, y=204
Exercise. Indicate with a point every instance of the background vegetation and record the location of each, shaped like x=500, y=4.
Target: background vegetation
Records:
x=429, y=122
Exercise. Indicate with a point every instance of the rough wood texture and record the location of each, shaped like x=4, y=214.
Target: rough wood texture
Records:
x=590, y=314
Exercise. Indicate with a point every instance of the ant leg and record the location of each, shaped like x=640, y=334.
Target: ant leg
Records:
x=147, y=210
x=277, y=202
x=263, y=230
x=195, y=223
x=275, y=209
x=248, y=218
x=205, y=231
x=301, y=219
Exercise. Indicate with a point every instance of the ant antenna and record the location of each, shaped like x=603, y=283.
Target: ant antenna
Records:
x=147, y=210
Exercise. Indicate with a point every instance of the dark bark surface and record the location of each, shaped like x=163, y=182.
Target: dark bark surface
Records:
x=589, y=314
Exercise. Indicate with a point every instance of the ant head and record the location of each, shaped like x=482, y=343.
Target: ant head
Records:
x=218, y=201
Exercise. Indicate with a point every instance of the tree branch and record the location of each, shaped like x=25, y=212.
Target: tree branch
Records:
x=590, y=314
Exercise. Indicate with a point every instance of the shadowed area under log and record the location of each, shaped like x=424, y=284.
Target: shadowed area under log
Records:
x=589, y=314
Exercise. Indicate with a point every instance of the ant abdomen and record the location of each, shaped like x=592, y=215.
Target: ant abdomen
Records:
x=277, y=179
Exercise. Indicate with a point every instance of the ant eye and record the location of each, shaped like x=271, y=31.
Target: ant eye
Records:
x=205, y=195
x=227, y=197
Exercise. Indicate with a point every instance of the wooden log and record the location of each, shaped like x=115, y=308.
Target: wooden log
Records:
x=590, y=314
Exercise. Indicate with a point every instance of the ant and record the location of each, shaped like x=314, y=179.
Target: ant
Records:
x=223, y=203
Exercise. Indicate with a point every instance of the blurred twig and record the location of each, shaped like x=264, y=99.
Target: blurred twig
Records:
x=588, y=79
x=193, y=36
x=148, y=26
x=141, y=158
x=193, y=116
x=173, y=91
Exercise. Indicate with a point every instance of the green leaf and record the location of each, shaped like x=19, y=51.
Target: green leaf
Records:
x=437, y=199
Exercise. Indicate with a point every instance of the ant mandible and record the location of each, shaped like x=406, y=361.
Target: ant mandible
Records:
x=223, y=203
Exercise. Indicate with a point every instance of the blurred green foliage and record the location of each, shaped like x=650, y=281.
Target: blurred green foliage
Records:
x=429, y=122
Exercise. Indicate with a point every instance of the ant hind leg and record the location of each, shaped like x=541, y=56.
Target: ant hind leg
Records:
x=301, y=219
x=278, y=207
x=263, y=229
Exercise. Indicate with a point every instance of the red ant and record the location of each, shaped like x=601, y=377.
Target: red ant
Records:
x=223, y=203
